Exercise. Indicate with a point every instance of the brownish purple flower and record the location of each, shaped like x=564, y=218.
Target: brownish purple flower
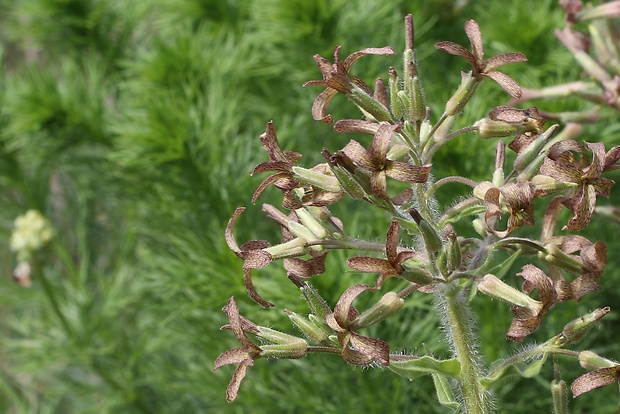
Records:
x=243, y=356
x=561, y=257
x=513, y=198
x=356, y=349
x=528, y=319
x=252, y=254
x=392, y=265
x=568, y=163
x=380, y=167
x=336, y=78
x=485, y=68
x=595, y=379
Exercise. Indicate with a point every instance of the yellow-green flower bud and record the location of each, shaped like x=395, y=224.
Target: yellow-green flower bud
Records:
x=389, y=304
x=591, y=361
x=318, y=179
x=559, y=393
x=463, y=94
x=310, y=329
x=311, y=223
x=577, y=329
x=492, y=286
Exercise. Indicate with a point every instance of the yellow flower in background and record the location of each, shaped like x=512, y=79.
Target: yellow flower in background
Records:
x=31, y=232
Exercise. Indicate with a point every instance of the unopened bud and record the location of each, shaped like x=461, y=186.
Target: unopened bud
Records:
x=559, y=392
x=577, y=329
x=398, y=109
x=389, y=304
x=550, y=185
x=315, y=301
x=311, y=223
x=529, y=153
x=309, y=328
x=492, y=286
x=316, y=178
x=463, y=94
x=369, y=104
x=292, y=248
x=429, y=234
x=591, y=361
x=281, y=345
x=417, y=108
x=416, y=271
x=453, y=252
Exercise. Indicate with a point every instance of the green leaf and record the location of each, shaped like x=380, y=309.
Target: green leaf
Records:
x=521, y=369
x=414, y=368
x=444, y=392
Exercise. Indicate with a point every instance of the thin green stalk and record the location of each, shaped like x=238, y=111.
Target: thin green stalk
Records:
x=459, y=323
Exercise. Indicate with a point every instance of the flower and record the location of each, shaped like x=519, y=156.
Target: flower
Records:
x=31, y=232
x=243, y=356
x=515, y=198
x=279, y=162
x=253, y=256
x=337, y=79
x=392, y=265
x=376, y=161
x=481, y=67
x=528, y=319
x=356, y=349
x=563, y=165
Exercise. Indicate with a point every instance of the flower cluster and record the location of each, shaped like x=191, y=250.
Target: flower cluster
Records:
x=549, y=173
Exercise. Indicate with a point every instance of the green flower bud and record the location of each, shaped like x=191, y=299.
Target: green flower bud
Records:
x=429, y=234
x=591, y=361
x=492, y=286
x=559, y=393
x=417, y=106
x=398, y=109
x=463, y=94
x=308, y=327
x=529, y=153
x=311, y=223
x=292, y=248
x=389, y=304
x=369, y=104
x=577, y=329
x=318, y=179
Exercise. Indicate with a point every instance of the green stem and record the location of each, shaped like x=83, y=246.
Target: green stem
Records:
x=49, y=292
x=459, y=323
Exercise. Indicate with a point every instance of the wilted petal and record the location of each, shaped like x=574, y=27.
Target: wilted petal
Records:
x=472, y=30
x=402, y=171
x=595, y=379
x=358, y=155
x=504, y=59
x=373, y=347
x=233, y=386
x=383, y=51
x=378, y=183
x=320, y=105
x=306, y=268
x=457, y=50
x=356, y=126
x=506, y=82
x=343, y=306
x=370, y=265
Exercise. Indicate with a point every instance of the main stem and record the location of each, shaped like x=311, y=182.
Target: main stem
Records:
x=459, y=324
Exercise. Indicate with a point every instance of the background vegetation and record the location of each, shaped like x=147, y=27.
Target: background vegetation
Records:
x=133, y=125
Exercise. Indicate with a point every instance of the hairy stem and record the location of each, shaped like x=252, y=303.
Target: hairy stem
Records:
x=459, y=325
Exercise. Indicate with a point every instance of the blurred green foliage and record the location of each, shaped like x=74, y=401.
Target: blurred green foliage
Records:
x=133, y=125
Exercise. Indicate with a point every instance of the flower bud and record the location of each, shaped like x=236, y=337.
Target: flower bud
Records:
x=591, y=361
x=429, y=234
x=292, y=248
x=311, y=223
x=369, y=104
x=398, y=109
x=463, y=94
x=318, y=179
x=453, y=252
x=281, y=345
x=492, y=286
x=559, y=392
x=389, y=304
x=308, y=327
x=550, y=185
x=315, y=301
x=577, y=329
x=417, y=105
x=529, y=153
x=416, y=271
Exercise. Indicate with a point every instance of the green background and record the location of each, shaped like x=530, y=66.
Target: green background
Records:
x=133, y=126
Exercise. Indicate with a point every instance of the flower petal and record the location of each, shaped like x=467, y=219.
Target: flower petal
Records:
x=503, y=59
x=595, y=379
x=506, y=82
x=472, y=30
x=343, y=306
x=320, y=105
